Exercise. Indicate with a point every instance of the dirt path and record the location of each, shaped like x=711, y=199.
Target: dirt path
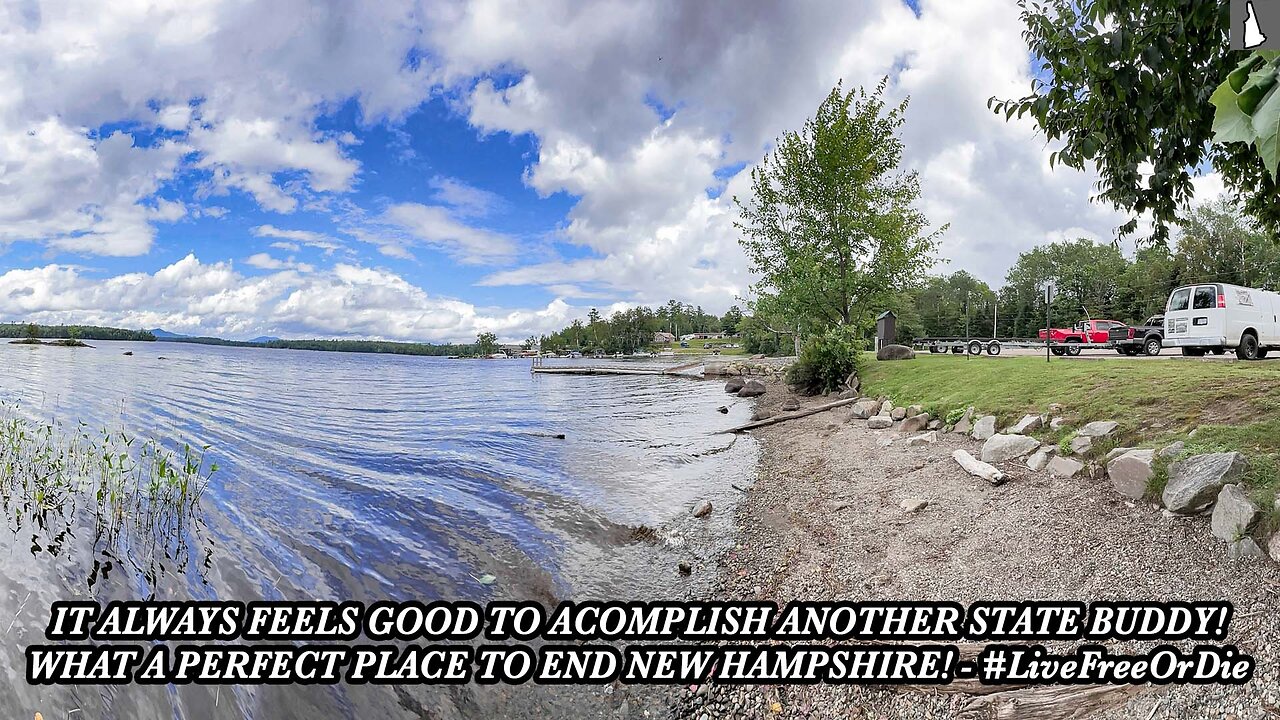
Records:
x=824, y=522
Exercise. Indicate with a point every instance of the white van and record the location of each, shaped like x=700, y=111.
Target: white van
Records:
x=1214, y=316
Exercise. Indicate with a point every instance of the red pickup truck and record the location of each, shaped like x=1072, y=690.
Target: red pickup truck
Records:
x=1085, y=331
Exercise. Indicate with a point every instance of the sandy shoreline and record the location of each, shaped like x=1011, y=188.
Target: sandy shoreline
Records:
x=824, y=521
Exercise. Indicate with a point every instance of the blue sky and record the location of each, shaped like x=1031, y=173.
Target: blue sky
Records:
x=428, y=171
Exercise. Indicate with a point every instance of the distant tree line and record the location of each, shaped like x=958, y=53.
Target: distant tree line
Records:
x=627, y=331
x=79, y=332
x=357, y=346
x=1213, y=244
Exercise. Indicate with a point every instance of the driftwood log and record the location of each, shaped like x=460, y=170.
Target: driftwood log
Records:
x=1049, y=702
x=783, y=417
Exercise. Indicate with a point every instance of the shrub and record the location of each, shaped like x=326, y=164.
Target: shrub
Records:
x=827, y=361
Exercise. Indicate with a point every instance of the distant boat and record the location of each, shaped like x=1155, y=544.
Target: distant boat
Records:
x=667, y=353
x=498, y=356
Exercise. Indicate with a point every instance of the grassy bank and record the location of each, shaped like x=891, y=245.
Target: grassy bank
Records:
x=1229, y=405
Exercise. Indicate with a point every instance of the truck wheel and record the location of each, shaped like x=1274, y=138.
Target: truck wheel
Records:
x=975, y=348
x=1153, y=346
x=1248, y=348
x=993, y=347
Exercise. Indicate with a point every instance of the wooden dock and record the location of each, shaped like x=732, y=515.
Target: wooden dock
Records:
x=539, y=367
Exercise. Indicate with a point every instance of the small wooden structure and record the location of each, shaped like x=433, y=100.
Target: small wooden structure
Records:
x=886, y=329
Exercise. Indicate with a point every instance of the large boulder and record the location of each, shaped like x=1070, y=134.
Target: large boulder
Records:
x=1194, y=483
x=864, y=409
x=1003, y=448
x=1244, y=548
x=1065, y=467
x=1039, y=459
x=1117, y=452
x=879, y=422
x=1082, y=444
x=895, y=352
x=915, y=423
x=1233, y=514
x=1130, y=471
x=1026, y=425
x=752, y=388
x=734, y=384
x=984, y=428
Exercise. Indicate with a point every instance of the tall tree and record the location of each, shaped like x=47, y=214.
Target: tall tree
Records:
x=1125, y=85
x=831, y=227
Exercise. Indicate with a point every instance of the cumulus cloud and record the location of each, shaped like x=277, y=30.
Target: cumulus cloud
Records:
x=294, y=239
x=195, y=297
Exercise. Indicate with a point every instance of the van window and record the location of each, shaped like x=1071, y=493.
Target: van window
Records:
x=1178, y=301
x=1206, y=298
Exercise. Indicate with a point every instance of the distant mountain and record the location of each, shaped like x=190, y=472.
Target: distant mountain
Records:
x=263, y=339
x=162, y=334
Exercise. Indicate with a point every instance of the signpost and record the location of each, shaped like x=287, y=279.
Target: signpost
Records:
x=1048, y=317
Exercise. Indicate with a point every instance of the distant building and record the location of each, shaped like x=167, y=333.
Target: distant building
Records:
x=664, y=337
x=703, y=336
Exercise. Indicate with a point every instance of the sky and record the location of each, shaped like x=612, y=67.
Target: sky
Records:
x=427, y=171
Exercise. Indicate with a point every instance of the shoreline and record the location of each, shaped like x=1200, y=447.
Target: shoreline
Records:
x=827, y=519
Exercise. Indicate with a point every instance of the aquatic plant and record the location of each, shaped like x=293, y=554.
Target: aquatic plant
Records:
x=140, y=498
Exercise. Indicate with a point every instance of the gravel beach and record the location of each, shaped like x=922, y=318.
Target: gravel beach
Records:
x=828, y=519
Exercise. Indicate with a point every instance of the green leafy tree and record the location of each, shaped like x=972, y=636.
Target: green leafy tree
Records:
x=831, y=227
x=486, y=343
x=33, y=331
x=1125, y=85
x=729, y=321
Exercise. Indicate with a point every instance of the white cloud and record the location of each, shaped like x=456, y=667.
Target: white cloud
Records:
x=439, y=227
x=297, y=238
x=193, y=297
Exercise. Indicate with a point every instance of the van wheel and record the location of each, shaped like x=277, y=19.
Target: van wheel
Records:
x=1248, y=348
x=1153, y=347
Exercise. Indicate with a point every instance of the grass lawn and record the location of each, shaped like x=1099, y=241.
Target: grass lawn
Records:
x=1231, y=405
x=699, y=347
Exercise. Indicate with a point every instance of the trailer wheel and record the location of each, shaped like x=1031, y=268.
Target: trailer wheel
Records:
x=1072, y=348
x=935, y=349
x=1057, y=351
x=1153, y=346
x=957, y=349
x=993, y=347
x=975, y=347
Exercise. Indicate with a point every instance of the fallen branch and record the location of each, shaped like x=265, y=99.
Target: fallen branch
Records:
x=783, y=417
x=977, y=468
x=1052, y=702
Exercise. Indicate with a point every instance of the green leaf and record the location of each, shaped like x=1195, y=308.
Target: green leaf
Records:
x=1269, y=149
x=1230, y=124
x=1266, y=124
x=1249, y=100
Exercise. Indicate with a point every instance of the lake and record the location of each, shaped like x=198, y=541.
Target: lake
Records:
x=349, y=476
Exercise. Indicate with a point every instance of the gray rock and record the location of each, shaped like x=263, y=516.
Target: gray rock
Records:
x=964, y=425
x=895, y=352
x=1130, y=471
x=753, y=388
x=734, y=384
x=879, y=422
x=1099, y=429
x=1244, y=548
x=1115, y=453
x=790, y=405
x=927, y=438
x=977, y=468
x=1065, y=467
x=912, y=505
x=915, y=423
x=864, y=409
x=899, y=413
x=1194, y=483
x=913, y=410
x=1172, y=450
x=984, y=428
x=1055, y=409
x=1038, y=460
x=886, y=407
x=1057, y=423
x=1003, y=448
x=1273, y=546
x=684, y=568
x=847, y=394
x=1082, y=444
x=1026, y=425
x=702, y=509
x=934, y=424
x=1233, y=514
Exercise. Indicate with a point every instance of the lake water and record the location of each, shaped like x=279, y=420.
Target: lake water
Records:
x=364, y=477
